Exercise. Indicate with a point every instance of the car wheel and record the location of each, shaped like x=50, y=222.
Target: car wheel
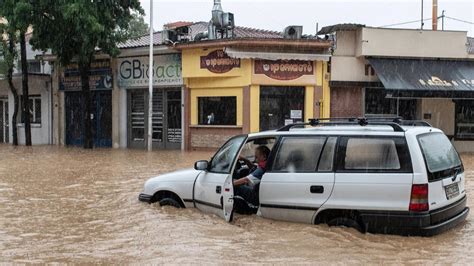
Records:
x=169, y=202
x=344, y=221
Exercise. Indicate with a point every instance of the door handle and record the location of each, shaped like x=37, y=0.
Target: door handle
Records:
x=218, y=189
x=317, y=189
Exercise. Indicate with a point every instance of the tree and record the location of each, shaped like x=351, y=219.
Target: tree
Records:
x=76, y=31
x=16, y=13
x=138, y=27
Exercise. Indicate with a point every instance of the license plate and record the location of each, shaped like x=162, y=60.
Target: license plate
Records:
x=452, y=190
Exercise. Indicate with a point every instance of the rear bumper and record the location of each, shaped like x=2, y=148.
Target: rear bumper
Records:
x=144, y=197
x=417, y=224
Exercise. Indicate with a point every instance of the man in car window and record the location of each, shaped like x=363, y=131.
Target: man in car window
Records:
x=245, y=186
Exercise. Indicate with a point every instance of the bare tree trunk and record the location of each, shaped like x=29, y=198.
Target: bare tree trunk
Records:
x=26, y=98
x=11, y=48
x=86, y=94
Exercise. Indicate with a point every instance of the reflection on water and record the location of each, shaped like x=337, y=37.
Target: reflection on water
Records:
x=71, y=205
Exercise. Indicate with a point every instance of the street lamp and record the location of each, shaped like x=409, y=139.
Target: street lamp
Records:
x=150, y=84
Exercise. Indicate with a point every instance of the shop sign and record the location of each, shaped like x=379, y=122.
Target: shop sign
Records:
x=100, y=77
x=219, y=62
x=436, y=81
x=134, y=72
x=284, y=69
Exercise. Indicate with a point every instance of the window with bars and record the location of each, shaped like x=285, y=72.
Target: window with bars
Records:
x=34, y=109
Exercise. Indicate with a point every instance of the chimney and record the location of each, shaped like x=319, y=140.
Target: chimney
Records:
x=435, y=15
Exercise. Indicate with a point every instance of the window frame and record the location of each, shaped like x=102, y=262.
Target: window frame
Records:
x=401, y=147
x=198, y=98
x=457, y=106
x=245, y=136
x=21, y=113
x=279, y=142
x=440, y=175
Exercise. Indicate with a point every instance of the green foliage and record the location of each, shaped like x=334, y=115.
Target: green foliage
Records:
x=137, y=27
x=76, y=29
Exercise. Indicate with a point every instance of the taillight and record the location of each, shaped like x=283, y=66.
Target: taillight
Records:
x=419, y=198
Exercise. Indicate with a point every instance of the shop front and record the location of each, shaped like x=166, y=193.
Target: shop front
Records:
x=167, y=105
x=238, y=92
x=440, y=92
x=101, y=84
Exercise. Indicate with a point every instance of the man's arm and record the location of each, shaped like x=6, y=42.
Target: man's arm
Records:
x=247, y=162
x=241, y=181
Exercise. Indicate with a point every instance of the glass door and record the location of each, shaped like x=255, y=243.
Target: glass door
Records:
x=280, y=105
x=173, y=119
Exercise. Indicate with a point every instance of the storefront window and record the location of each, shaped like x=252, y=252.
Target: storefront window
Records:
x=465, y=119
x=217, y=110
x=280, y=105
x=378, y=104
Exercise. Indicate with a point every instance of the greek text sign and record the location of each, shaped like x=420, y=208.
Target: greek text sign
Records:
x=100, y=77
x=284, y=69
x=134, y=72
x=219, y=62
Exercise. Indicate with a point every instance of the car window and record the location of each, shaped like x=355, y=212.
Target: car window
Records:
x=248, y=151
x=371, y=154
x=224, y=157
x=298, y=154
x=438, y=151
x=327, y=157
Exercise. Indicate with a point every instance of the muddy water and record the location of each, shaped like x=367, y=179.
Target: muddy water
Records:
x=70, y=205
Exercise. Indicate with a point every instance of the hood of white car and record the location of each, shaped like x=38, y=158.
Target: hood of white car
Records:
x=186, y=175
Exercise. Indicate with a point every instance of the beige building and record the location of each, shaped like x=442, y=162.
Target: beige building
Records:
x=417, y=74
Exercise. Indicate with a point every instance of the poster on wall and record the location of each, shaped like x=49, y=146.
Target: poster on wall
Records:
x=284, y=69
x=219, y=62
x=134, y=72
x=100, y=77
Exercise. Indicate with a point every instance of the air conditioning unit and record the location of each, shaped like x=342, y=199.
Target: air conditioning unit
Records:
x=169, y=36
x=293, y=32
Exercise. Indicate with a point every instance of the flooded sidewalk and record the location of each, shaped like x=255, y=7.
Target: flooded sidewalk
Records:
x=71, y=205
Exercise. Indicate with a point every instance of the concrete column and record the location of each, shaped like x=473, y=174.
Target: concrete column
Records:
x=115, y=107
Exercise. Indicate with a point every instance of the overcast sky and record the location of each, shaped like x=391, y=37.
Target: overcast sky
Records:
x=276, y=14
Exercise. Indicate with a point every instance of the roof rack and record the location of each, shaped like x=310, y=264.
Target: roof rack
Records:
x=394, y=122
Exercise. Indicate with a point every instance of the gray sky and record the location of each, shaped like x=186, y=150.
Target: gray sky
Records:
x=276, y=14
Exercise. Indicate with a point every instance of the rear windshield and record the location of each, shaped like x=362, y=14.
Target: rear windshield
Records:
x=439, y=153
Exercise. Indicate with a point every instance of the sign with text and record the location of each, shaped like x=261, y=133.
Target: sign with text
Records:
x=100, y=77
x=134, y=72
x=219, y=62
x=284, y=69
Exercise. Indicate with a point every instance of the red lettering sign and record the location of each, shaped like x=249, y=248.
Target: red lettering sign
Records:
x=284, y=69
x=219, y=62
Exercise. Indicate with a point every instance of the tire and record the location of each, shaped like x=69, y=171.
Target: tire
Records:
x=169, y=202
x=347, y=222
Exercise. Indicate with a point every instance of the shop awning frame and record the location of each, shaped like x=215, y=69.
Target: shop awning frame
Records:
x=425, y=77
x=243, y=54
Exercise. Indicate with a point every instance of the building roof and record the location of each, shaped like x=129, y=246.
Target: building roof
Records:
x=200, y=27
x=470, y=45
x=340, y=27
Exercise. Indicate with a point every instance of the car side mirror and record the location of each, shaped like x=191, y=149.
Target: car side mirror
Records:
x=201, y=165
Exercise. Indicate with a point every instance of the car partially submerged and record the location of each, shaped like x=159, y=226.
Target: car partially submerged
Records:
x=377, y=176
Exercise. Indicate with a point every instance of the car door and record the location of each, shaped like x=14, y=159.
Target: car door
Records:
x=300, y=179
x=373, y=173
x=213, y=189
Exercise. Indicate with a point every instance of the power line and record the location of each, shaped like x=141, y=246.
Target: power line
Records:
x=460, y=20
x=403, y=23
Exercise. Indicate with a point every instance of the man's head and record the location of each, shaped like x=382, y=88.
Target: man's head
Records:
x=262, y=153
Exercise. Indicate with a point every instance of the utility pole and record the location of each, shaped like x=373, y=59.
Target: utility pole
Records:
x=150, y=85
x=442, y=20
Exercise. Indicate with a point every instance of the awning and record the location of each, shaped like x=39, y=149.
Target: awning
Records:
x=242, y=54
x=426, y=78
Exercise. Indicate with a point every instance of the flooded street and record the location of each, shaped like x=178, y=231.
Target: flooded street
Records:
x=71, y=205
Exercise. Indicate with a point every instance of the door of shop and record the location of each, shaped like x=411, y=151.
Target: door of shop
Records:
x=4, y=121
x=166, y=118
x=280, y=105
x=101, y=118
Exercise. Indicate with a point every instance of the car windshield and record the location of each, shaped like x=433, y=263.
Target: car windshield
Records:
x=439, y=153
x=224, y=157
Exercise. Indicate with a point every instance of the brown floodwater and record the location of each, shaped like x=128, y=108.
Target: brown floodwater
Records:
x=70, y=205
